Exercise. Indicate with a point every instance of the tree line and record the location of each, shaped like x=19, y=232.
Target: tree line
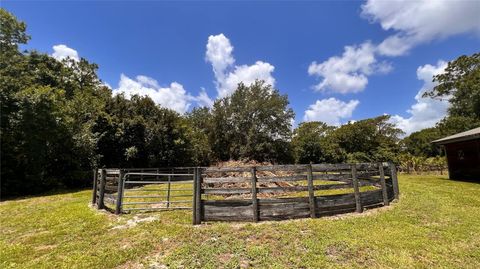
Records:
x=59, y=121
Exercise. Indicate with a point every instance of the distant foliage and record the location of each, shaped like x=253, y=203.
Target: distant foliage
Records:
x=408, y=163
x=311, y=143
x=368, y=140
x=420, y=143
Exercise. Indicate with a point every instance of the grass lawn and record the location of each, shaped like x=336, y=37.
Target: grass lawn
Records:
x=435, y=224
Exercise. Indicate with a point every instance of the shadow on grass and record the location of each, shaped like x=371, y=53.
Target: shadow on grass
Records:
x=44, y=194
x=468, y=180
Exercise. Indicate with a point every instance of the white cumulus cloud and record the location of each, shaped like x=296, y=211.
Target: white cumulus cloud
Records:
x=412, y=22
x=61, y=52
x=426, y=111
x=348, y=73
x=219, y=54
x=417, y=22
x=227, y=75
x=173, y=96
x=203, y=99
x=330, y=111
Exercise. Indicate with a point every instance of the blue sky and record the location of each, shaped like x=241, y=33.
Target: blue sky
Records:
x=160, y=49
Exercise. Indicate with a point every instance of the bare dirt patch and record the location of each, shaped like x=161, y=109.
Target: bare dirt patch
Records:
x=134, y=222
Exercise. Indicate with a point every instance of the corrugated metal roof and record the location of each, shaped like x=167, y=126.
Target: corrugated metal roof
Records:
x=464, y=136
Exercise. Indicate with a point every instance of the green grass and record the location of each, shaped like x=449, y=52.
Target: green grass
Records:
x=436, y=224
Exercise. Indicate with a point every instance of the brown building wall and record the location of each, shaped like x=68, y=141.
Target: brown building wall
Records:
x=464, y=160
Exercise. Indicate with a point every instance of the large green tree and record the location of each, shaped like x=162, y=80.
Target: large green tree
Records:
x=374, y=139
x=200, y=126
x=460, y=84
x=253, y=123
x=420, y=143
x=311, y=143
x=136, y=132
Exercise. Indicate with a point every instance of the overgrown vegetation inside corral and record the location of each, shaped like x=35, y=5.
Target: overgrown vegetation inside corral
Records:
x=435, y=224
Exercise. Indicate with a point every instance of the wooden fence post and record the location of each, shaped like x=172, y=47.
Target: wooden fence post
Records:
x=168, y=190
x=383, y=184
x=118, y=205
x=254, y=194
x=194, y=200
x=101, y=195
x=95, y=186
x=197, y=196
x=393, y=172
x=356, y=189
x=311, y=193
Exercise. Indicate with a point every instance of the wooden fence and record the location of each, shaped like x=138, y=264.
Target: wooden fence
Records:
x=250, y=193
x=359, y=185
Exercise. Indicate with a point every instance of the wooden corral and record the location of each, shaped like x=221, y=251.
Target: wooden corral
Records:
x=230, y=204
x=251, y=193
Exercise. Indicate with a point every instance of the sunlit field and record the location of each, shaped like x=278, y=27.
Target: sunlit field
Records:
x=435, y=224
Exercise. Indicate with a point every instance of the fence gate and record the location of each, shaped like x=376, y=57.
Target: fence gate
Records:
x=149, y=189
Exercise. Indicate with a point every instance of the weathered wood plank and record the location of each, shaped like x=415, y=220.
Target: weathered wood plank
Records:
x=383, y=184
x=348, y=205
x=335, y=211
x=282, y=178
x=95, y=182
x=286, y=212
x=334, y=200
x=393, y=175
x=254, y=194
x=226, y=179
x=332, y=177
x=267, y=201
x=371, y=197
x=287, y=167
x=311, y=193
x=295, y=215
x=367, y=175
x=226, y=191
x=326, y=167
x=303, y=188
x=227, y=203
x=356, y=189
x=363, y=182
x=232, y=213
x=196, y=205
x=284, y=208
x=226, y=169
x=101, y=196
x=118, y=206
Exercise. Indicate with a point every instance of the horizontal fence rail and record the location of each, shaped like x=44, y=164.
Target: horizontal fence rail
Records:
x=273, y=192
